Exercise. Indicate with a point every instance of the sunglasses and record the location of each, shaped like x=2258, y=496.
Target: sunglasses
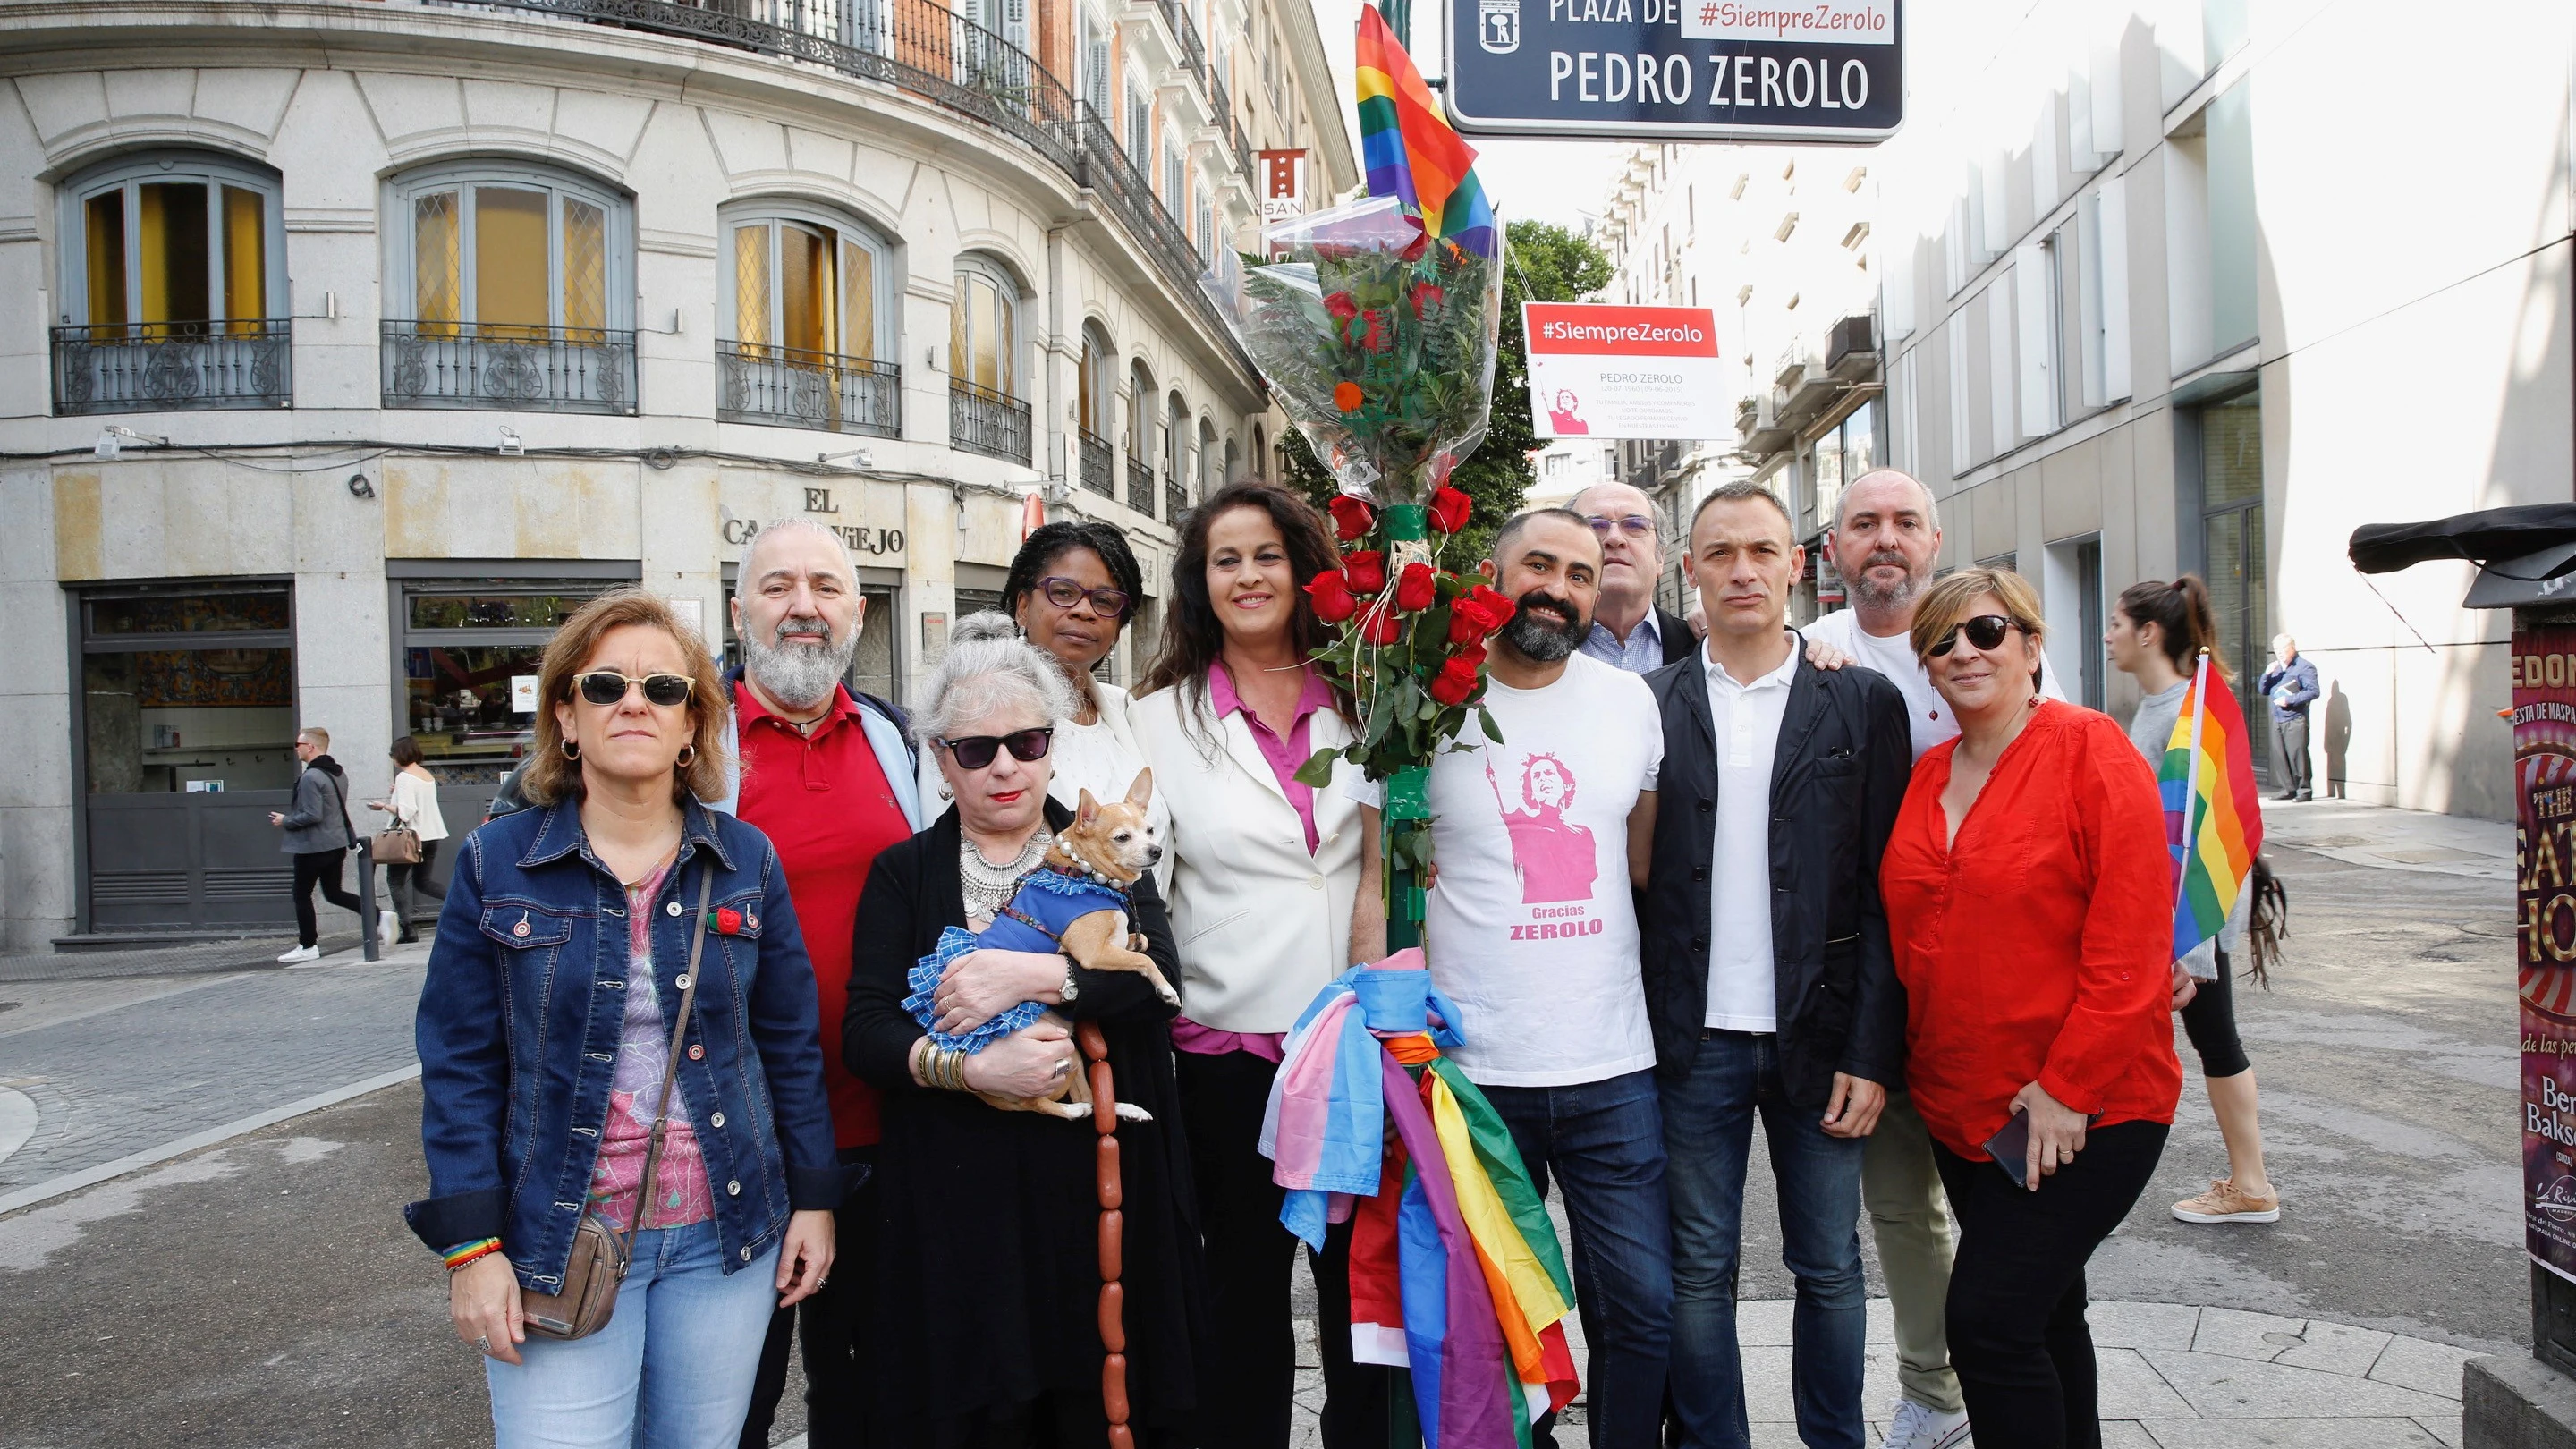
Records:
x=607, y=686
x=1984, y=632
x=1064, y=593
x=1635, y=525
x=974, y=752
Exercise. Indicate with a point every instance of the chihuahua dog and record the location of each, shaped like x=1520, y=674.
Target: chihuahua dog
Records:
x=1076, y=902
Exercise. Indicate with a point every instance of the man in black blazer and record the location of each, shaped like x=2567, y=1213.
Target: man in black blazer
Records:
x=1768, y=978
x=1628, y=628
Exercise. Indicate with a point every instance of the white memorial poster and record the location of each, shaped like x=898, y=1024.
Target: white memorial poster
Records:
x=1599, y=371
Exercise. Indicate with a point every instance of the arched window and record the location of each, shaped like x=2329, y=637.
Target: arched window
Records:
x=985, y=414
x=1203, y=460
x=1233, y=461
x=1093, y=401
x=1260, y=452
x=511, y=286
x=1176, y=439
x=173, y=287
x=1140, y=438
x=807, y=331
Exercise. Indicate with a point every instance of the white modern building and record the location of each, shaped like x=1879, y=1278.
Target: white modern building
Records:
x=2201, y=285
x=345, y=345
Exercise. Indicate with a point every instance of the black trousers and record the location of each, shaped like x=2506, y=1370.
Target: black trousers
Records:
x=322, y=868
x=1248, y=1374
x=403, y=882
x=2018, y=1339
x=2292, y=737
x=832, y=1322
x=2210, y=1022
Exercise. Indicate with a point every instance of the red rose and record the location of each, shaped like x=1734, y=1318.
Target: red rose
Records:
x=1330, y=594
x=1473, y=653
x=1427, y=298
x=1341, y=306
x=1365, y=572
x=1383, y=627
x=1477, y=613
x=1351, y=517
x=1456, y=680
x=728, y=920
x=1417, y=588
x=1449, y=509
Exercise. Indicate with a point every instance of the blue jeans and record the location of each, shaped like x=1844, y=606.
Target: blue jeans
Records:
x=1605, y=1142
x=1708, y=1132
x=671, y=1370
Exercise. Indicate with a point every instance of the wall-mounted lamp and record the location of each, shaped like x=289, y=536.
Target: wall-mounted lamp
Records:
x=858, y=457
x=511, y=447
x=113, y=438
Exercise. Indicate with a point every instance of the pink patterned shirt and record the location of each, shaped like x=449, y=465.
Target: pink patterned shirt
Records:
x=680, y=1191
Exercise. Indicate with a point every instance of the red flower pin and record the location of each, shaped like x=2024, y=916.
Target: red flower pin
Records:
x=725, y=921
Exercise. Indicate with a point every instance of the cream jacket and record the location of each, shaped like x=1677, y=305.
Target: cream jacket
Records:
x=1262, y=925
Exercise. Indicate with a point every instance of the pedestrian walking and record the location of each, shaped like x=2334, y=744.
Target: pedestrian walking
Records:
x=1073, y=589
x=828, y=776
x=2157, y=633
x=320, y=837
x=1542, y=839
x=1886, y=543
x=1629, y=629
x=617, y=1037
x=2029, y=899
x=1264, y=869
x=414, y=807
x=987, y=1327
x=2291, y=684
x=1768, y=975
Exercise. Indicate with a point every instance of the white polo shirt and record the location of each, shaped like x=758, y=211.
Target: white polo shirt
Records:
x=1741, y=993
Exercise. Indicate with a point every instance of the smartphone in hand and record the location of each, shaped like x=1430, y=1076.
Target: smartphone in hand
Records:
x=2010, y=1149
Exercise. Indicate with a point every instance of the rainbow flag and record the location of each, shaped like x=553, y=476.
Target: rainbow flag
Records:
x=1410, y=152
x=2213, y=818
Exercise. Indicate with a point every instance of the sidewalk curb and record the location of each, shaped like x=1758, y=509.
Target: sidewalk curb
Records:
x=72, y=1182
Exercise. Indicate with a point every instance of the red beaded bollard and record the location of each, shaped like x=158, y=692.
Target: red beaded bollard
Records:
x=1113, y=1295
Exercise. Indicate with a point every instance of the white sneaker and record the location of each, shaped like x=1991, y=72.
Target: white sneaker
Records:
x=1914, y=1426
x=302, y=953
x=388, y=926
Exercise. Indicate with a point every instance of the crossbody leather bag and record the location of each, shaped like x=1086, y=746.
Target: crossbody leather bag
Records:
x=399, y=845
x=600, y=1256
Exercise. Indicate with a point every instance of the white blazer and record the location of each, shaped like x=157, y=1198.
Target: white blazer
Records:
x=1262, y=925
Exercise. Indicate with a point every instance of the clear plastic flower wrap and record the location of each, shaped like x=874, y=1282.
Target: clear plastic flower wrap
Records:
x=1378, y=341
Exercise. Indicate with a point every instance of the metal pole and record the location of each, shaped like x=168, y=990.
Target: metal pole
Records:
x=1399, y=18
x=368, y=937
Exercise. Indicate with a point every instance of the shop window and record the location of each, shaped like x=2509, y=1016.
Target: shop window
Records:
x=471, y=649
x=173, y=288
x=511, y=287
x=872, y=668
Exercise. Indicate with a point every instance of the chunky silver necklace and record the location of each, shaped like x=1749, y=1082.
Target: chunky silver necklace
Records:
x=989, y=887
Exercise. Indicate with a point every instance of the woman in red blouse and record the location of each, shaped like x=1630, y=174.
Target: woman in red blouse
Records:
x=2030, y=899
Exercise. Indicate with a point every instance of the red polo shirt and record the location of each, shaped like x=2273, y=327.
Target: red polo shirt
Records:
x=823, y=801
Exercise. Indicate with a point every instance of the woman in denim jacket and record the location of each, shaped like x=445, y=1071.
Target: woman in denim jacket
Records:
x=544, y=1032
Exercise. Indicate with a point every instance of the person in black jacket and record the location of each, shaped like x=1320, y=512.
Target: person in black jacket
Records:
x=1768, y=976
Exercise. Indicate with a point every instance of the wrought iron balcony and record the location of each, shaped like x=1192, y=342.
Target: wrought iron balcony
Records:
x=142, y=367
x=1097, y=473
x=508, y=366
x=981, y=420
x=1186, y=31
x=790, y=387
x=1140, y=486
x=1176, y=498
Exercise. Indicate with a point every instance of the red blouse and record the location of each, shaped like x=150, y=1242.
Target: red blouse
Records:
x=2055, y=966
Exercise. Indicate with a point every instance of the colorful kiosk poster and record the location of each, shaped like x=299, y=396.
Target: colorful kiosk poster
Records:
x=2544, y=756
x=1598, y=371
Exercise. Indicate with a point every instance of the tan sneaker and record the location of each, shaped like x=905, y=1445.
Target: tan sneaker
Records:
x=2224, y=1204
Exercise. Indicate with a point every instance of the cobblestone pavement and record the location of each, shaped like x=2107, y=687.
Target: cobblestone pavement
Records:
x=118, y=1067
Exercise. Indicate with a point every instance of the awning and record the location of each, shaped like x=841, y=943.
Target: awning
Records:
x=2525, y=555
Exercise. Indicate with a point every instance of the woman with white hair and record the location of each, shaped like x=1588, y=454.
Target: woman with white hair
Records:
x=988, y=1281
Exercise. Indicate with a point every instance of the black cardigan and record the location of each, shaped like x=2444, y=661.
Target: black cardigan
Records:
x=988, y=1283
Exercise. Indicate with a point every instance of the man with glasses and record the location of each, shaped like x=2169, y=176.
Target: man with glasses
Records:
x=1628, y=629
x=830, y=777
x=1886, y=542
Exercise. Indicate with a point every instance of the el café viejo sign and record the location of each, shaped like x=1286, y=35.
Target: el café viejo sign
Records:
x=1676, y=70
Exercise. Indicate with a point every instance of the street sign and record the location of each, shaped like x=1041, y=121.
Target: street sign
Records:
x=1599, y=371
x=1676, y=70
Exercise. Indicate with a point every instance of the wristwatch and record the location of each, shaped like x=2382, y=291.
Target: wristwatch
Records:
x=1072, y=988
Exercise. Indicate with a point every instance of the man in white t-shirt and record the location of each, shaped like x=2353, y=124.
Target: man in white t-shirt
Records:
x=1532, y=932
x=1886, y=540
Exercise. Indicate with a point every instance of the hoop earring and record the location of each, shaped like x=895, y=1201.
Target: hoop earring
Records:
x=688, y=757
x=571, y=751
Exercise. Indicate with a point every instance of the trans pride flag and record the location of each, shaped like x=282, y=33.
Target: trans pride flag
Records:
x=2213, y=818
x=1410, y=152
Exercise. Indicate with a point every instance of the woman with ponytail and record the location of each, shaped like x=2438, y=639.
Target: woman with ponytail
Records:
x=2157, y=631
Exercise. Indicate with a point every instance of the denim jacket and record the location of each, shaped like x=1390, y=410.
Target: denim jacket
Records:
x=520, y=1018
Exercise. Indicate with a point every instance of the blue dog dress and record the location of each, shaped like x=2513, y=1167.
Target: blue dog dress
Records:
x=1046, y=904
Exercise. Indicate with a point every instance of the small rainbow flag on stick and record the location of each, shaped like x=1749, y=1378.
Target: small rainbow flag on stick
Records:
x=1411, y=153
x=2213, y=821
